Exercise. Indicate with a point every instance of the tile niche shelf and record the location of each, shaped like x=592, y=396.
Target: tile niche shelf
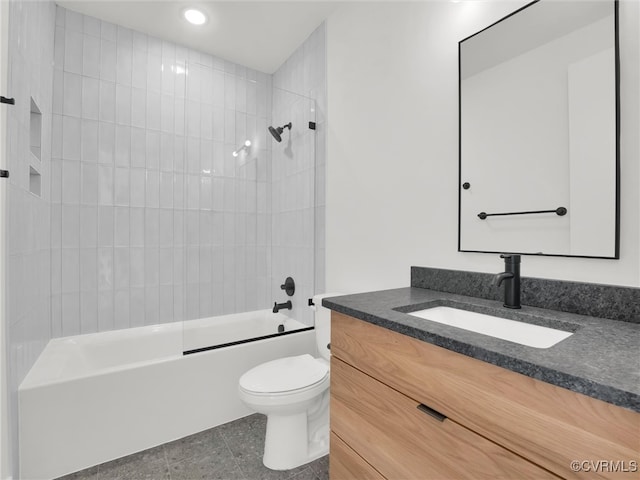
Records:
x=35, y=146
x=35, y=182
x=35, y=130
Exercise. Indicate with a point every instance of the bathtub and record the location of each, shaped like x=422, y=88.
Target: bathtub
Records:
x=92, y=398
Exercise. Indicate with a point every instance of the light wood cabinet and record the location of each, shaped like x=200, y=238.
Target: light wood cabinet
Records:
x=493, y=423
x=346, y=463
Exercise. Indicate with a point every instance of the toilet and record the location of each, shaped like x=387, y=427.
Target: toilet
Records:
x=293, y=392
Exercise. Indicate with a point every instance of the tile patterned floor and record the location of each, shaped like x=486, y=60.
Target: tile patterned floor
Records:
x=232, y=451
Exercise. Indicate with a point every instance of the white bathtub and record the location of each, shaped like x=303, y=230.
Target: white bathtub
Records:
x=93, y=398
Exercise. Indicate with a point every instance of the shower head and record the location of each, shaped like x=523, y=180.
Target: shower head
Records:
x=277, y=132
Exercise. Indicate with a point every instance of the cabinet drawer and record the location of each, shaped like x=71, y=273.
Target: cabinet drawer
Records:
x=345, y=464
x=402, y=442
x=548, y=425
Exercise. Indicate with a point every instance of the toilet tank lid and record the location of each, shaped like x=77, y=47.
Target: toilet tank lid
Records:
x=284, y=374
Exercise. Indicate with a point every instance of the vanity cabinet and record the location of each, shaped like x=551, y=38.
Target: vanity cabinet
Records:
x=405, y=409
x=346, y=463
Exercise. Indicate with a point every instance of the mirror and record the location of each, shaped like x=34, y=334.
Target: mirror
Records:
x=539, y=167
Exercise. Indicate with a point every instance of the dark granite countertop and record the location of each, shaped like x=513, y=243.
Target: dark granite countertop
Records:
x=601, y=359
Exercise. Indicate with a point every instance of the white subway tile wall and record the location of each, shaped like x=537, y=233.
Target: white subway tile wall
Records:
x=298, y=175
x=183, y=230
x=29, y=263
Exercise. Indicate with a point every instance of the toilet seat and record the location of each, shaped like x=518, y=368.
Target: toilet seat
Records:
x=285, y=376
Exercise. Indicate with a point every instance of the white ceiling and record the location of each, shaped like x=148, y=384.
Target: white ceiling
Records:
x=258, y=34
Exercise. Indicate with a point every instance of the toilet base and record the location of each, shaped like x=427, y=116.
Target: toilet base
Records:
x=295, y=439
x=287, y=445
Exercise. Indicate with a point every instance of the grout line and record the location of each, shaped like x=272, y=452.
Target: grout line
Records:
x=166, y=460
x=235, y=461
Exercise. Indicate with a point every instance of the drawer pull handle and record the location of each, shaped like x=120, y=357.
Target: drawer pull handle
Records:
x=431, y=412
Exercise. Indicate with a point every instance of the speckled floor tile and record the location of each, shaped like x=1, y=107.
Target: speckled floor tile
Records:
x=253, y=468
x=88, y=474
x=150, y=464
x=201, y=444
x=228, y=452
x=211, y=467
x=245, y=437
x=321, y=467
x=306, y=474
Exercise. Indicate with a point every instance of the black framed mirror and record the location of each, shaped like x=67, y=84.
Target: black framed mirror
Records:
x=539, y=132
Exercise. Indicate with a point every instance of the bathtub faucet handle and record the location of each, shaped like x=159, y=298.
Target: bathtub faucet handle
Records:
x=282, y=306
x=289, y=286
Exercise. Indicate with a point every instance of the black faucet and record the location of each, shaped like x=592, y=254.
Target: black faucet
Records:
x=511, y=279
x=282, y=306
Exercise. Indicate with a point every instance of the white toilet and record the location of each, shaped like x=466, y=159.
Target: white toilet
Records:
x=293, y=392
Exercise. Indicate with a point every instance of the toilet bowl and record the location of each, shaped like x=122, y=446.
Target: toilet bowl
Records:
x=293, y=392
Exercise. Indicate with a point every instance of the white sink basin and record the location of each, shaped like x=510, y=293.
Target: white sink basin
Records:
x=511, y=330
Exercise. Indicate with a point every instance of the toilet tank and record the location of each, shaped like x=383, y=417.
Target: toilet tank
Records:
x=323, y=324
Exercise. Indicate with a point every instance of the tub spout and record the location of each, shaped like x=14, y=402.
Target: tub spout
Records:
x=282, y=306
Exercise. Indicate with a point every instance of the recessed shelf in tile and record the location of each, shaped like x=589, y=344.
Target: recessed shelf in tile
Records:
x=35, y=130
x=35, y=182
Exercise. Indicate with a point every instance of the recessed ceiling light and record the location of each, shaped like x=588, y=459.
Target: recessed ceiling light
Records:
x=194, y=16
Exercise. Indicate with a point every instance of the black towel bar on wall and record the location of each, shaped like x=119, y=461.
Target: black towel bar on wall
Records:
x=560, y=211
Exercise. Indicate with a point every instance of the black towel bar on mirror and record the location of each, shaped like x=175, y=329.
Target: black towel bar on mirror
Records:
x=560, y=211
